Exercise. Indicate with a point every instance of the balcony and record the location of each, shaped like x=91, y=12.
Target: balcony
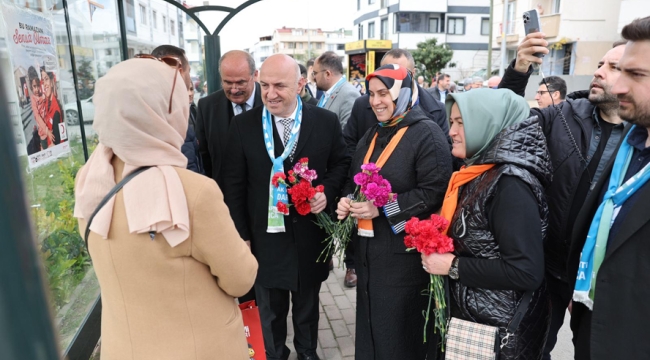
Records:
x=550, y=25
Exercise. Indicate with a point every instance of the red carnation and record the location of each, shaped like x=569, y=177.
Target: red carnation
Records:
x=278, y=178
x=292, y=179
x=303, y=208
x=282, y=208
x=320, y=188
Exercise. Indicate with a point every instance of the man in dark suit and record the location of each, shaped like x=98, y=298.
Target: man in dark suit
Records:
x=269, y=139
x=240, y=93
x=363, y=118
x=609, y=266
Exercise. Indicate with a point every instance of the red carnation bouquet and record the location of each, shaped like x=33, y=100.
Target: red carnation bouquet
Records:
x=301, y=191
x=428, y=237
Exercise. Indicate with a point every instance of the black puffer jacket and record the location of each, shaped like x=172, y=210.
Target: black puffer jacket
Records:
x=567, y=164
x=519, y=151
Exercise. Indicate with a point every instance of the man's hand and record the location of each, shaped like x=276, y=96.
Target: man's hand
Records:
x=318, y=203
x=533, y=43
x=363, y=210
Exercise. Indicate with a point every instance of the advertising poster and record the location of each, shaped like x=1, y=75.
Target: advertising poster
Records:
x=358, y=66
x=32, y=49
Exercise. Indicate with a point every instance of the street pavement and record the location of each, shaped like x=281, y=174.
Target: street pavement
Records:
x=336, y=326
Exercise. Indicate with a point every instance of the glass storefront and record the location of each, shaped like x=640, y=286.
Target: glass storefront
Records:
x=49, y=121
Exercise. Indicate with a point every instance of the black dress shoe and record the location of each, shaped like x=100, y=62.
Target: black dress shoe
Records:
x=310, y=355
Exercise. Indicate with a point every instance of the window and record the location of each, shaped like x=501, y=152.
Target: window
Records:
x=358, y=4
x=384, y=28
x=556, y=6
x=485, y=26
x=370, y=2
x=172, y=27
x=331, y=47
x=411, y=22
x=510, y=22
x=384, y=3
x=360, y=33
x=319, y=46
x=143, y=14
x=130, y=16
x=371, y=30
x=291, y=45
x=154, y=19
x=164, y=23
x=108, y=52
x=456, y=26
x=433, y=25
x=300, y=45
x=340, y=46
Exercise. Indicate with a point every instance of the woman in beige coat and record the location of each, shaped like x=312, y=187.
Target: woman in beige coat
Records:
x=167, y=255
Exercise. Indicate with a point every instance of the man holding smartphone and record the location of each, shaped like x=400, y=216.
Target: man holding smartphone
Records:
x=582, y=134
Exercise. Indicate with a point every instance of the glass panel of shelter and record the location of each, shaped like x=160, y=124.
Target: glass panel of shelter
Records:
x=43, y=103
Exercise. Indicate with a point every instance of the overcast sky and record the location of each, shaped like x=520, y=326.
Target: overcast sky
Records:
x=260, y=19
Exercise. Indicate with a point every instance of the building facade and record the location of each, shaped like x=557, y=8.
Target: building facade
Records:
x=579, y=32
x=462, y=24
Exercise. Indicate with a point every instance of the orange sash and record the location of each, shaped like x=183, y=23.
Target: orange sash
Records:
x=458, y=179
x=365, y=225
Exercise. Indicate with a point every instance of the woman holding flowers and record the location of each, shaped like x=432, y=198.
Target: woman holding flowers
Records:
x=405, y=154
x=498, y=218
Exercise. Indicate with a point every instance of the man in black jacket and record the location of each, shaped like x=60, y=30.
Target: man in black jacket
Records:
x=362, y=118
x=286, y=253
x=582, y=134
x=613, y=323
x=240, y=93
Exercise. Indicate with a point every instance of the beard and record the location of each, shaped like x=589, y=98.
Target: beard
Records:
x=634, y=112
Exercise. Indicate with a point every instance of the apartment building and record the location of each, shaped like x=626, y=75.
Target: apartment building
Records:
x=579, y=32
x=262, y=49
x=462, y=24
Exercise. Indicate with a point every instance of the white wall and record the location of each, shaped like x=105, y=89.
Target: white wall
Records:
x=472, y=29
x=630, y=10
x=422, y=5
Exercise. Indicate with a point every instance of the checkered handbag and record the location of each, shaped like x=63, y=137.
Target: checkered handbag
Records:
x=470, y=340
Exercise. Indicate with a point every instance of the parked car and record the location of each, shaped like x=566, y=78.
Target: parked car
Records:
x=72, y=113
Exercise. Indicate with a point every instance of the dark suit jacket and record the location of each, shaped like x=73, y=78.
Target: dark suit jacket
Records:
x=212, y=123
x=285, y=259
x=621, y=312
x=362, y=118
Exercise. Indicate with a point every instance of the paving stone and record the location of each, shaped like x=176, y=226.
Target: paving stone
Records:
x=332, y=279
x=332, y=354
x=351, y=294
x=335, y=289
x=346, y=345
x=323, y=323
x=349, y=315
x=333, y=312
x=326, y=299
x=326, y=339
x=352, y=329
x=342, y=302
x=339, y=328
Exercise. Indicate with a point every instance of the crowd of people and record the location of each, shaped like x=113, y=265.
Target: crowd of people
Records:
x=544, y=204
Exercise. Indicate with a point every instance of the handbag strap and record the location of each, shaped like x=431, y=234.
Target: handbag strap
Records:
x=519, y=314
x=108, y=196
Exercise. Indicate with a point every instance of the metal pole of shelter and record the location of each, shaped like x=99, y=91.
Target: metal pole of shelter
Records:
x=504, y=33
x=489, y=59
x=212, y=51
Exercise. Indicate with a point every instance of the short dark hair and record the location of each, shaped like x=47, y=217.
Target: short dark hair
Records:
x=637, y=30
x=442, y=76
x=555, y=83
x=310, y=62
x=330, y=61
x=171, y=50
x=303, y=70
x=32, y=75
x=619, y=43
x=398, y=53
x=249, y=59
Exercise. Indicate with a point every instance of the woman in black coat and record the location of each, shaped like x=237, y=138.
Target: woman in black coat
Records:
x=390, y=279
x=498, y=218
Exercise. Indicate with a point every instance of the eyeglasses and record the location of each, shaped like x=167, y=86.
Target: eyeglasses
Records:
x=171, y=61
x=313, y=73
x=541, y=92
x=237, y=84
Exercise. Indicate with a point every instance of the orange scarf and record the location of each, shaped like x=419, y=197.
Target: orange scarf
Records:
x=365, y=225
x=458, y=179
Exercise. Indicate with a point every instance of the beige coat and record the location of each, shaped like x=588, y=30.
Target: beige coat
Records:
x=176, y=303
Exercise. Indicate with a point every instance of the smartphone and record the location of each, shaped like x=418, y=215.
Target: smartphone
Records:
x=532, y=24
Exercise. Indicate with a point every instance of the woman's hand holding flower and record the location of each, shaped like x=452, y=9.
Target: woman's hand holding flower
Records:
x=364, y=210
x=437, y=264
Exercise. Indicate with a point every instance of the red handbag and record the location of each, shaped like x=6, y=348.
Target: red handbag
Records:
x=253, y=329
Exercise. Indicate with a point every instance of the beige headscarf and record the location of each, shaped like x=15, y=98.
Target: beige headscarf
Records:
x=132, y=122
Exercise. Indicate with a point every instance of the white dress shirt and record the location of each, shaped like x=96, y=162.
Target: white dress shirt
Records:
x=249, y=104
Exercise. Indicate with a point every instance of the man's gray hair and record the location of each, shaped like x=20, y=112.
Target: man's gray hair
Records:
x=398, y=53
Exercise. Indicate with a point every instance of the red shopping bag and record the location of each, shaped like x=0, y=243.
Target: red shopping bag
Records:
x=253, y=330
